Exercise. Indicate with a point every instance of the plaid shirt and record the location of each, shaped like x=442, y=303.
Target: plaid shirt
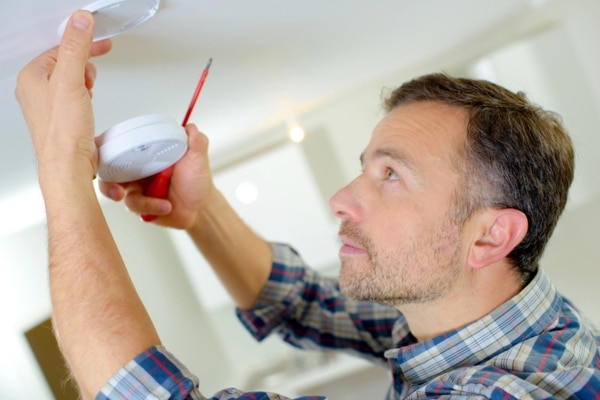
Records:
x=534, y=346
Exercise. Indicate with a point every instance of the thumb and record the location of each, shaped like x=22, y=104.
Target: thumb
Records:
x=195, y=158
x=73, y=52
x=197, y=141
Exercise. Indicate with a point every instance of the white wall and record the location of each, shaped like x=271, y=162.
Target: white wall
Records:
x=573, y=256
x=183, y=325
x=557, y=68
x=24, y=303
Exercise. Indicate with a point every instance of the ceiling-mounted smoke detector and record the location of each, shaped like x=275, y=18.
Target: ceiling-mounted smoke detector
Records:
x=114, y=17
x=140, y=147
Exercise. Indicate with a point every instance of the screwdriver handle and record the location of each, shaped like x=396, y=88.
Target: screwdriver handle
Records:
x=157, y=186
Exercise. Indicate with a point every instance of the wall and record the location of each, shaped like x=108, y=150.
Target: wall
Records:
x=24, y=303
x=184, y=326
x=573, y=255
x=557, y=68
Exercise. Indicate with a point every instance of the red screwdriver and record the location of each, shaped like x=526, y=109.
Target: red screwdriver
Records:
x=158, y=185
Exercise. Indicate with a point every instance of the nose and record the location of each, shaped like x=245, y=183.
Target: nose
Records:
x=343, y=203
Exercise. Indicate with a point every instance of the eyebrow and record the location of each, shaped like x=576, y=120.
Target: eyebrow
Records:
x=395, y=154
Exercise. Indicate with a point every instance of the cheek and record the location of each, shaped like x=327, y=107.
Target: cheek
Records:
x=401, y=218
x=415, y=228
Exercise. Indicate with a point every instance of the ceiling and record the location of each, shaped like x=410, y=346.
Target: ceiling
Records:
x=272, y=59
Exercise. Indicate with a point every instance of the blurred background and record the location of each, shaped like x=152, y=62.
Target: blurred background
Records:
x=320, y=67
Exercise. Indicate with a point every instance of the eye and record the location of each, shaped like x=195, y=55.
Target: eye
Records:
x=391, y=175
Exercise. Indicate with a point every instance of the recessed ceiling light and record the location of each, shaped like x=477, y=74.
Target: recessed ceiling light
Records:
x=296, y=134
x=246, y=193
x=117, y=16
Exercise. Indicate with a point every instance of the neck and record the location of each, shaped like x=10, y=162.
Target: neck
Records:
x=471, y=298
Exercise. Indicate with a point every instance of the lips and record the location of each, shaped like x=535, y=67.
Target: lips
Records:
x=350, y=247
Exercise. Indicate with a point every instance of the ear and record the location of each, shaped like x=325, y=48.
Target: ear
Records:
x=498, y=233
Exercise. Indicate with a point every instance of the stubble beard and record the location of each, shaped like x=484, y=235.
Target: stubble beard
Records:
x=421, y=272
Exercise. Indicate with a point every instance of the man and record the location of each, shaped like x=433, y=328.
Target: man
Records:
x=462, y=185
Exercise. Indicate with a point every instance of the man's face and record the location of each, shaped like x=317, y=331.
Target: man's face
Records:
x=400, y=242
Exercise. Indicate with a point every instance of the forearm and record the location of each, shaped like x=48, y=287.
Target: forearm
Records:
x=240, y=258
x=100, y=321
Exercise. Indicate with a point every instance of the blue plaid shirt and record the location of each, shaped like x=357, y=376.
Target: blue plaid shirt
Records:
x=535, y=346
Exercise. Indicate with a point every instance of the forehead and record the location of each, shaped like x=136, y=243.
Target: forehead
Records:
x=422, y=131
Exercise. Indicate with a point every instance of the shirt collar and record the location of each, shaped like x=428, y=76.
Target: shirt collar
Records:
x=523, y=316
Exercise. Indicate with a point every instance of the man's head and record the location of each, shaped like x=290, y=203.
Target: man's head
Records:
x=516, y=155
x=457, y=168
x=401, y=243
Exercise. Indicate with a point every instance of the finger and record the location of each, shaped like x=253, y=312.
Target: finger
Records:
x=74, y=49
x=100, y=48
x=113, y=191
x=140, y=204
x=90, y=75
x=197, y=142
x=36, y=72
x=197, y=147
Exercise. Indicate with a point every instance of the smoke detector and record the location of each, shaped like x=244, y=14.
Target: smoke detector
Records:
x=140, y=147
x=114, y=17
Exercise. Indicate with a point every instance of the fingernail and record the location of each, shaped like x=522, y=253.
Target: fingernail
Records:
x=164, y=207
x=81, y=20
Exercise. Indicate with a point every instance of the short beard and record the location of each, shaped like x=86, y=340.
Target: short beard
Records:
x=393, y=285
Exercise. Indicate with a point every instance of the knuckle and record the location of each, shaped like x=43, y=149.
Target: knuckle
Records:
x=132, y=202
x=70, y=45
x=21, y=81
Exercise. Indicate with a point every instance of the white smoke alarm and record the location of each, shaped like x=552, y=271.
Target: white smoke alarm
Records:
x=114, y=17
x=140, y=147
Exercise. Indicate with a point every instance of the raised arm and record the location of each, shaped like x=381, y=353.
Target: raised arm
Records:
x=239, y=257
x=99, y=319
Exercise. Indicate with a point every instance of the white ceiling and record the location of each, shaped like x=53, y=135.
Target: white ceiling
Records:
x=271, y=59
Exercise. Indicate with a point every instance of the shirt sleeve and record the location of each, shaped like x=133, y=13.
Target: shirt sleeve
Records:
x=153, y=374
x=309, y=311
x=157, y=374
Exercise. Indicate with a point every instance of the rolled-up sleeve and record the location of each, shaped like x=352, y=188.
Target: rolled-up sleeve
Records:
x=305, y=308
x=157, y=374
x=308, y=311
x=153, y=374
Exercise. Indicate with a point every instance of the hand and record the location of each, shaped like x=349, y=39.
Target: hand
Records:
x=191, y=187
x=54, y=92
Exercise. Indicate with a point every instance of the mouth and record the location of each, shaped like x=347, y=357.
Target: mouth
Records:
x=350, y=247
